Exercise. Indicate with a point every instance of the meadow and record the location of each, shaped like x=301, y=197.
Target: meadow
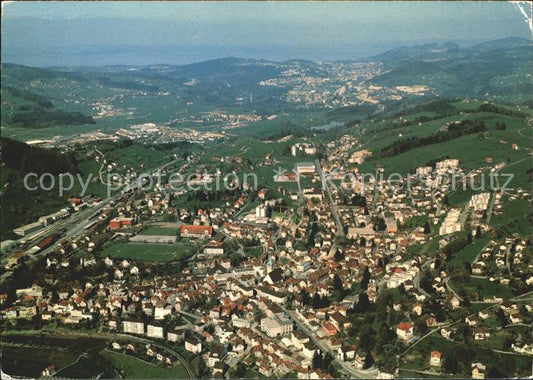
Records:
x=131, y=367
x=148, y=251
x=154, y=230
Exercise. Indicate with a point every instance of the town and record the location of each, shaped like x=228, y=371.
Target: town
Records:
x=279, y=189
x=320, y=273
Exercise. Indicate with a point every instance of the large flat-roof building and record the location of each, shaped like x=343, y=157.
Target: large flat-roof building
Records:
x=305, y=168
x=28, y=228
x=133, y=327
x=276, y=326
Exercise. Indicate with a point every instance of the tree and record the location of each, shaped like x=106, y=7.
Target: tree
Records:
x=338, y=288
x=201, y=368
x=466, y=332
x=427, y=228
x=337, y=283
x=478, y=232
x=326, y=363
x=317, y=360
x=338, y=255
x=363, y=305
x=366, y=278
x=367, y=338
x=240, y=370
x=384, y=337
x=450, y=363
x=494, y=373
x=381, y=225
x=268, y=212
x=421, y=326
x=305, y=297
x=312, y=233
x=369, y=361
x=317, y=301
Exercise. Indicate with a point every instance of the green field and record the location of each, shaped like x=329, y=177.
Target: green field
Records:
x=148, y=251
x=30, y=361
x=482, y=288
x=159, y=231
x=468, y=253
x=514, y=218
x=131, y=367
x=135, y=155
x=253, y=251
x=82, y=368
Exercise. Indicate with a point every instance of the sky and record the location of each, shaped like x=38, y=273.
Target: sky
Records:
x=144, y=33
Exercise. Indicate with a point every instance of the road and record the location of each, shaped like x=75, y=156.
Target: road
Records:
x=190, y=315
x=479, y=253
x=101, y=170
x=325, y=186
x=350, y=370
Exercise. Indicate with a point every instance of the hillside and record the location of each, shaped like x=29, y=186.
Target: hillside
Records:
x=468, y=130
x=23, y=107
x=494, y=68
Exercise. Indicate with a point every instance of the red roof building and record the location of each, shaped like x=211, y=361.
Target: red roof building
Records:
x=435, y=359
x=329, y=329
x=115, y=224
x=192, y=231
x=404, y=330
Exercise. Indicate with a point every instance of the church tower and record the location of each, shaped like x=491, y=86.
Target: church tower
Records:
x=270, y=264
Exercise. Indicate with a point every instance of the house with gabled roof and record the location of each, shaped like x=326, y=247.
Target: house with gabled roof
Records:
x=404, y=330
x=435, y=359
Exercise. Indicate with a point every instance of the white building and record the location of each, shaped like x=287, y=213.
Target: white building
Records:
x=404, y=330
x=155, y=331
x=451, y=223
x=305, y=168
x=133, y=327
x=276, y=326
x=193, y=345
x=446, y=165
x=423, y=170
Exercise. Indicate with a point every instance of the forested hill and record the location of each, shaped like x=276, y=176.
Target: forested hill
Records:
x=24, y=158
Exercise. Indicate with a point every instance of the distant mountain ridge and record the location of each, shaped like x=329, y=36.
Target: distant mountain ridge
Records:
x=38, y=97
x=399, y=53
x=434, y=49
x=499, y=67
